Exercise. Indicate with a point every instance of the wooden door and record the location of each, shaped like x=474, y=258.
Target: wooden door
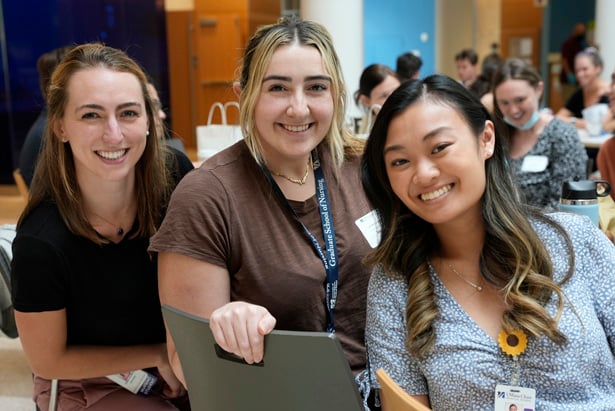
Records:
x=523, y=43
x=219, y=47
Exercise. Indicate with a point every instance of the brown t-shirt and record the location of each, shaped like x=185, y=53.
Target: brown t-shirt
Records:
x=226, y=213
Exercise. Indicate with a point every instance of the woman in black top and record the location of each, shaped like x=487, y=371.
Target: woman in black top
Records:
x=85, y=289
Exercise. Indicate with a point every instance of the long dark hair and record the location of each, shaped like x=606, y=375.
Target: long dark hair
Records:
x=513, y=256
x=372, y=76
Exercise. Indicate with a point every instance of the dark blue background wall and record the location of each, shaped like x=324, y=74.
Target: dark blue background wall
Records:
x=32, y=27
x=563, y=15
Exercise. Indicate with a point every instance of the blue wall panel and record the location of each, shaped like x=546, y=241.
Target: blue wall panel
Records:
x=393, y=27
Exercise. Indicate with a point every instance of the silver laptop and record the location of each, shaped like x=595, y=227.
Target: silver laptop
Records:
x=301, y=371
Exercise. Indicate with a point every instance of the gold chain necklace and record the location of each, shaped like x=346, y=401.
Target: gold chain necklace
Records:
x=477, y=287
x=301, y=181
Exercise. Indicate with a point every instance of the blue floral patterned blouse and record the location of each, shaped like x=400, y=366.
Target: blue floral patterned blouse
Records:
x=466, y=364
x=559, y=142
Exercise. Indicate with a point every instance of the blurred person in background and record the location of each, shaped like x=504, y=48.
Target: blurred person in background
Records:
x=408, y=66
x=377, y=82
x=466, y=62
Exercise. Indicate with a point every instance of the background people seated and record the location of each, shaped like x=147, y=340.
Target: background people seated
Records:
x=31, y=147
x=593, y=89
x=408, y=66
x=544, y=150
x=482, y=87
x=377, y=82
x=466, y=62
x=570, y=48
x=163, y=132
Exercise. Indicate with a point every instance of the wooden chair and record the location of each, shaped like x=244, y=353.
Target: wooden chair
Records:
x=394, y=398
x=21, y=184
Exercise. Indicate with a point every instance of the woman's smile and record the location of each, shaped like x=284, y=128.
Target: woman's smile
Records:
x=437, y=193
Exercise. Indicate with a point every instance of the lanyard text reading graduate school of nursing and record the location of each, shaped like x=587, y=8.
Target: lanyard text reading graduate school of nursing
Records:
x=329, y=255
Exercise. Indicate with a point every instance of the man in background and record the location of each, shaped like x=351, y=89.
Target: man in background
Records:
x=45, y=65
x=570, y=48
x=467, y=66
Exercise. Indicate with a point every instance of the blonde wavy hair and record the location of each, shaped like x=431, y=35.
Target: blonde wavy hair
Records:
x=255, y=62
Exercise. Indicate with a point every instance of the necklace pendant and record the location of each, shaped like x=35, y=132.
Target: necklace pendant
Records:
x=300, y=181
x=477, y=287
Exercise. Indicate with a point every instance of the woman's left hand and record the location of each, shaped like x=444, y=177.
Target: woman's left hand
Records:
x=172, y=388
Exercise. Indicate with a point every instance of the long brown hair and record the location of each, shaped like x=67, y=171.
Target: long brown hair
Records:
x=55, y=179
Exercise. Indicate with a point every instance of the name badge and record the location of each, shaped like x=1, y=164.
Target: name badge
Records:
x=370, y=228
x=534, y=164
x=511, y=398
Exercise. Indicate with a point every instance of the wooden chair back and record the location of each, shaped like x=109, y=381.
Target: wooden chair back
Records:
x=393, y=397
x=22, y=187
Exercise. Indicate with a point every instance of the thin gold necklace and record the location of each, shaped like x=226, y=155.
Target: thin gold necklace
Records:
x=119, y=231
x=301, y=181
x=477, y=287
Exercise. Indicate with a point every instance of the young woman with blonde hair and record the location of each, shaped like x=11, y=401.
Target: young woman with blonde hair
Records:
x=265, y=232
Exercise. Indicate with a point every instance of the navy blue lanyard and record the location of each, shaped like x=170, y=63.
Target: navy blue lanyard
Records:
x=329, y=255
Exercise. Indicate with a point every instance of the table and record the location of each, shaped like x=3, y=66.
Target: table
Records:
x=592, y=141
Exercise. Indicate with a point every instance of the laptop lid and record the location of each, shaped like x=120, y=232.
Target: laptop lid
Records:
x=301, y=371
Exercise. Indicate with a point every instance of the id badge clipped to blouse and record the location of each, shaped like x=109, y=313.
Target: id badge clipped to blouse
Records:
x=513, y=397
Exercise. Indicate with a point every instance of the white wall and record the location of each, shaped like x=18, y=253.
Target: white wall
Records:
x=344, y=20
x=454, y=32
x=605, y=34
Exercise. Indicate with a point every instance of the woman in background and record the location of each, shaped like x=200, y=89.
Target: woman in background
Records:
x=593, y=89
x=377, y=82
x=544, y=150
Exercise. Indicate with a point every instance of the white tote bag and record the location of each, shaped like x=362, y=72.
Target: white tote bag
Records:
x=212, y=138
